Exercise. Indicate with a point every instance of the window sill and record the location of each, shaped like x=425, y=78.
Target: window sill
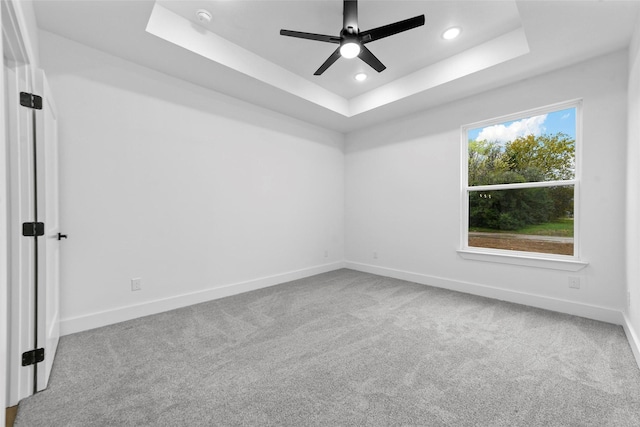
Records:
x=524, y=258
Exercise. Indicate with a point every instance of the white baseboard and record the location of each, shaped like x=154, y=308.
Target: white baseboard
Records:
x=603, y=314
x=633, y=337
x=109, y=317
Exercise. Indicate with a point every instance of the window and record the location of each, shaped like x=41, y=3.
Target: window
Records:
x=520, y=181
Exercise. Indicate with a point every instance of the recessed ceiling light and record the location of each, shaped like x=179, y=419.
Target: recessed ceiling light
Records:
x=203, y=16
x=451, y=33
x=360, y=77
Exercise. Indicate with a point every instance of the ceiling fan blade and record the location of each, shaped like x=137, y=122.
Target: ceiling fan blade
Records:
x=310, y=36
x=370, y=58
x=350, y=15
x=391, y=29
x=333, y=58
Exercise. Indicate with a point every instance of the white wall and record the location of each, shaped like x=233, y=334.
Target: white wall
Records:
x=633, y=195
x=403, y=194
x=190, y=190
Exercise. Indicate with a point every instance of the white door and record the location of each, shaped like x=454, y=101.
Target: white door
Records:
x=20, y=178
x=35, y=272
x=49, y=244
x=32, y=310
x=21, y=249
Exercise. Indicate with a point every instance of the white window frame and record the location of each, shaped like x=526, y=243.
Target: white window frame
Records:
x=532, y=259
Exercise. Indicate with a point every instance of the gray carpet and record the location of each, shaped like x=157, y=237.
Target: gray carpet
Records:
x=344, y=348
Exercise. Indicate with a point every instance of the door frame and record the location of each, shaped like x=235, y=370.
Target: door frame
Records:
x=4, y=239
x=16, y=326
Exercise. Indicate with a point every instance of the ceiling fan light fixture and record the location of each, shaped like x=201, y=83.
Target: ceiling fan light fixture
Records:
x=204, y=16
x=451, y=33
x=360, y=77
x=350, y=49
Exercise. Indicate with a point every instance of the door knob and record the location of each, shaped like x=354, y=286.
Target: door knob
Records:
x=61, y=236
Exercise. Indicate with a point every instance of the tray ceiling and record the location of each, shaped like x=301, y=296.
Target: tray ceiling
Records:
x=241, y=54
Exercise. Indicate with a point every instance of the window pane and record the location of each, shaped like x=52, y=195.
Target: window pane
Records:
x=534, y=149
x=527, y=219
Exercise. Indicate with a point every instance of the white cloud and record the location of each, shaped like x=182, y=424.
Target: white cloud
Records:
x=501, y=133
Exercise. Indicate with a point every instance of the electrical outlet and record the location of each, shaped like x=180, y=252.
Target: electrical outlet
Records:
x=574, y=282
x=136, y=284
x=375, y=255
x=326, y=253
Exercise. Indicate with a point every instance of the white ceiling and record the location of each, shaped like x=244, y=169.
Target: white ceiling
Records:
x=255, y=26
x=240, y=53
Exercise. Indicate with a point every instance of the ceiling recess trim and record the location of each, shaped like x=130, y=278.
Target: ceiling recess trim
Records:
x=174, y=28
x=496, y=51
x=180, y=31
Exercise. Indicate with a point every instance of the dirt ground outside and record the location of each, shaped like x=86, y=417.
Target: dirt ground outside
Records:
x=525, y=243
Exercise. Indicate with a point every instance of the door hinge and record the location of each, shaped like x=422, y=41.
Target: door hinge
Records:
x=33, y=229
x=32, y=357
x=30, y=100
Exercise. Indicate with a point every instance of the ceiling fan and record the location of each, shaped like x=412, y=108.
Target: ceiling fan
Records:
x=352, y=41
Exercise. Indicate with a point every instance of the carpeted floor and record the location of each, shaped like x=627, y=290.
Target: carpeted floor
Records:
x=344, y=348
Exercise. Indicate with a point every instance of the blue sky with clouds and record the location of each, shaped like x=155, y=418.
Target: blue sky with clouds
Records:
x=558, y=121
